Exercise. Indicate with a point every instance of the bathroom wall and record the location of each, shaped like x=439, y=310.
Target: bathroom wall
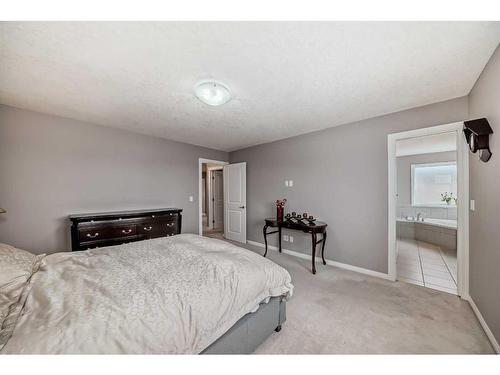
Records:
x=404, y=207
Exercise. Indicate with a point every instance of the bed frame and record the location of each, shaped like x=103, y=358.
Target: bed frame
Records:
x=251, y=330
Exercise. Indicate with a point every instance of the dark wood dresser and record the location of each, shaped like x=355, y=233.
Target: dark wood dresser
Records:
x=114, y=228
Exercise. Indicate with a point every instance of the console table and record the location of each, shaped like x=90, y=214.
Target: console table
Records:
x=318, y=227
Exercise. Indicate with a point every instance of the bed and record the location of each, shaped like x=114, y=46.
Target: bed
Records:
x=183, y=294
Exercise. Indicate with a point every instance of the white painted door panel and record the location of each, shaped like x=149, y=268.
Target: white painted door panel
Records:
x=235, y=202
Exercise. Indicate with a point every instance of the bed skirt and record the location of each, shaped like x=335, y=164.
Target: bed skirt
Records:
x=251, y=330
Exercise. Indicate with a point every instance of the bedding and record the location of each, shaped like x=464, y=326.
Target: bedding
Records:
x=166, y=295
x=16, y=268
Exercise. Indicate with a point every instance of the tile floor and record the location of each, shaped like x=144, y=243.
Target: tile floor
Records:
x=428, y=265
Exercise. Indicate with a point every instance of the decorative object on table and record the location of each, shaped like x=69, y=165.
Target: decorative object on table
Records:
x=2, y=211
x=280, y=204
x=294, y=214
x=288, y=216
x=448, y=197
x=311, y=220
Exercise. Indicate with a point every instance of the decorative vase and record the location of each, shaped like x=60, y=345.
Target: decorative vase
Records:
x=279, y=213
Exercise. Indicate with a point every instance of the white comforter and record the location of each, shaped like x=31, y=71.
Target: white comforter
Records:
x=167, y=295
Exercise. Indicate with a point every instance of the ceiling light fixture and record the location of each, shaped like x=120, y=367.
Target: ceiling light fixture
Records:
x=212, y=92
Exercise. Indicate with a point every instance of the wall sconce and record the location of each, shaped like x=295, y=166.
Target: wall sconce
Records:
x=477, y=133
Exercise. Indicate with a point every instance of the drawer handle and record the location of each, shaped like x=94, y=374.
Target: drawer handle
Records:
x=148, y=228
x=93, y=236
x=126, y=231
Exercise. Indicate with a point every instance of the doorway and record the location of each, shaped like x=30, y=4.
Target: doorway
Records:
x=428, y=208
x=222, y=200
x=212, y=198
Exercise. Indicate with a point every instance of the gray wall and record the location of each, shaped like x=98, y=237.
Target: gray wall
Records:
x=484, y=101
x=340, y=176
x=404, y=207
x=51, y=167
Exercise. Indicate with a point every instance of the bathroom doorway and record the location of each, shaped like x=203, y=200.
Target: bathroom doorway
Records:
x=428, y=208
x=212, y=198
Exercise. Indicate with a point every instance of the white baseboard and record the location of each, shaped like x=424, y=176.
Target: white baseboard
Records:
x=483, y=323
x=328, y=262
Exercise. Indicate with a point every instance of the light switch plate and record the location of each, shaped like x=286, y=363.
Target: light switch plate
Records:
x=290, y=183
x=191, y=199
x=291, y=238
x=285, y=237
x=472, y=205
x=286, y=183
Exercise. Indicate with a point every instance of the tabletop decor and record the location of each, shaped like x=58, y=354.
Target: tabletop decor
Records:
x=280, y=205
x=300, y=218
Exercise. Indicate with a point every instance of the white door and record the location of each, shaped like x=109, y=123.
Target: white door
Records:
x=235, y=202
x=218, y=199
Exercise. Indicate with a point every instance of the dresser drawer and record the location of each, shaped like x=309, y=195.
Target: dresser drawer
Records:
x=94, y=234
x=123, y=231
x=169, y=229
x=168, y=217
x=158, y=229
x=149, y=229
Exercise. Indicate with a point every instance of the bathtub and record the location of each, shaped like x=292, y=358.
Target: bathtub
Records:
x=443, y=223
x=440, y=232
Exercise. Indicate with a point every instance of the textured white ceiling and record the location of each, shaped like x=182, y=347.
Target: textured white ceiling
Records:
x=427, y=144
x=286, y=78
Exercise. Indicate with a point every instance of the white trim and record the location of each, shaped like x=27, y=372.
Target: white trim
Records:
x=209, y=197
x=201, y=161
x=483, y=323
x=462, y=213
x=462, y=206
x=328, y=262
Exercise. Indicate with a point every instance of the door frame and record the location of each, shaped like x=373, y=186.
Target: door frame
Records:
x=462, y=206
x=202, y=161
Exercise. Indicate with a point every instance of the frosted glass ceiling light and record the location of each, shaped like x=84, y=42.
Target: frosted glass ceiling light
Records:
x=212, y=93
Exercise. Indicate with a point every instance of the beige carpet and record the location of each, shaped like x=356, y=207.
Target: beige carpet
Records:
x=338, y=311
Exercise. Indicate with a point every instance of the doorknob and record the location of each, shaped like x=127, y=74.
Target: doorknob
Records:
x=242, y=206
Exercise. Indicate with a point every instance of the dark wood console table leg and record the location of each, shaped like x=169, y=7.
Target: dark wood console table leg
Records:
x=279, y=239
x=313, y=235
x=265, y=233
x=323, y=248
x=265, y=239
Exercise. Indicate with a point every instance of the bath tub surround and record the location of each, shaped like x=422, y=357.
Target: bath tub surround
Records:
x=435, y=212
x=440, y=232
x=443, y=223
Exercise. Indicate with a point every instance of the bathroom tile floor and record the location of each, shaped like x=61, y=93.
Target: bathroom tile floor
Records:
x=428, y=265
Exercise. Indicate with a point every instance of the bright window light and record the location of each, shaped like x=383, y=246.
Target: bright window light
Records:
x=434, y=184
